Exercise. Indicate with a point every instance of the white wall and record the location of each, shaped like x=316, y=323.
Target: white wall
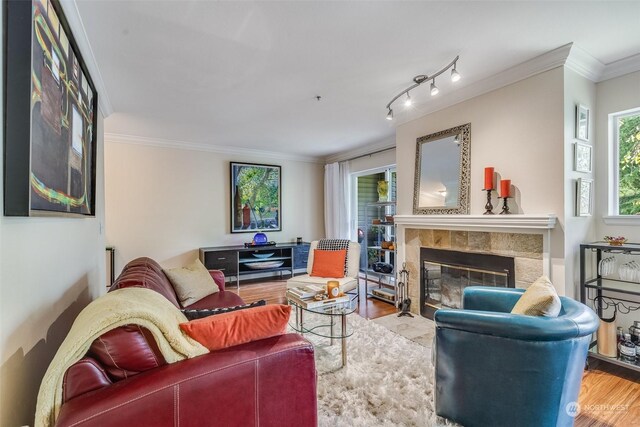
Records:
x=519, y=130
x=577, y=230
x=374, y=161
x=50, y=268
x=165, y=203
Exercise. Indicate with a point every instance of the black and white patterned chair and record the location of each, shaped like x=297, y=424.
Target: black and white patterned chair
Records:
x=348, y=283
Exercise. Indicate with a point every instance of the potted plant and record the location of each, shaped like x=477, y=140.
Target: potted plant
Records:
x=377, y=235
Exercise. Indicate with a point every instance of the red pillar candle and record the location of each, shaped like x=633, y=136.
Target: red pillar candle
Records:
x=505, y=187
x=488, y=178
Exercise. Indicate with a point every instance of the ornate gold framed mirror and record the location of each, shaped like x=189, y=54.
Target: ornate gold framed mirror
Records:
x=442, y=172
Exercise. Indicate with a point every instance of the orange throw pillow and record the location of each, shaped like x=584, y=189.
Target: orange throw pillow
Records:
x=328, y=263
x=238, y=327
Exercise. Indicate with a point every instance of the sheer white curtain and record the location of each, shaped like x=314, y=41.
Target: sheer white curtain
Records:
x=336, y=200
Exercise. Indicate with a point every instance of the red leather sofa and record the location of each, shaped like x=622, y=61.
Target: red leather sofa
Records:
x=124, y=380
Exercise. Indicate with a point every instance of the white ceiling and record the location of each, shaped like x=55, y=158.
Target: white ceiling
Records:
x=245, y=74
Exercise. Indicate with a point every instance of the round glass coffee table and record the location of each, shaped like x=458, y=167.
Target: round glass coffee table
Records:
x=328, y=322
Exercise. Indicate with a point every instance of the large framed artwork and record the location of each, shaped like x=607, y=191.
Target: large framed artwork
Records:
x=255, y=197
x=51, y=115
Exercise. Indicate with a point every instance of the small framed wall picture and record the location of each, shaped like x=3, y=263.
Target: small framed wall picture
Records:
x=582, y=122
x=582, y=157
x=584, y=197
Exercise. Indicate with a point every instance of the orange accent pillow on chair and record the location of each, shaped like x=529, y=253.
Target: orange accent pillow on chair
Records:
x=238, y=327
x=328, y=263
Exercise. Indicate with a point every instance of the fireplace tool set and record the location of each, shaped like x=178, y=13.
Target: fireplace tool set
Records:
x=405, y=301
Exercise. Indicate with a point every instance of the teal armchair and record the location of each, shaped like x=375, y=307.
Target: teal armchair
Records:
x=496, y=369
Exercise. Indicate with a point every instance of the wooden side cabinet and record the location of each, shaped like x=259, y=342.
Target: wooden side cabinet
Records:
x=237, y=261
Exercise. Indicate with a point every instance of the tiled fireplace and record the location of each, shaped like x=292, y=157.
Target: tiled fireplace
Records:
x=445, y=273
x=513, y=252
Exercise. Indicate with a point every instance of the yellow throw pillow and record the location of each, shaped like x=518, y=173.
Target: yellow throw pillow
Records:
x=191, y=283
x=540, y=299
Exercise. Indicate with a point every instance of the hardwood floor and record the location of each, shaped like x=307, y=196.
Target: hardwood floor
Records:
x=609, y=396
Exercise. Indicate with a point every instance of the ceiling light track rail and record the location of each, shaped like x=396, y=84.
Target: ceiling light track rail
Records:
x=422, y=78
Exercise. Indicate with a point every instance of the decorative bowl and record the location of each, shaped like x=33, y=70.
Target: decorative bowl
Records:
x=263, y=255
x=262, y=265
x=615, y=241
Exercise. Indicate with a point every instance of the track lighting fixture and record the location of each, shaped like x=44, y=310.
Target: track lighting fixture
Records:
x=455, y=76
x=434, y=88
x=422, y=78
x=408, y=102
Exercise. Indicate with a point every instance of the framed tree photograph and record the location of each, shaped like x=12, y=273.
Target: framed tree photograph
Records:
x=51, y=109
x=584, y=197
x=255, y=197
x=582, y=122
x=582, y=157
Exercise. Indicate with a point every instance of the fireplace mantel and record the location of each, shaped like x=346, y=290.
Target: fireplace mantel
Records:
x=543, y=224
x=480, y=222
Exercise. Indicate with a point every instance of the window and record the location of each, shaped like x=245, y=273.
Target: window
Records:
x=626, y=150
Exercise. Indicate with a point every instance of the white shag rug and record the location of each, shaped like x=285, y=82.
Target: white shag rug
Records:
x=388, y=380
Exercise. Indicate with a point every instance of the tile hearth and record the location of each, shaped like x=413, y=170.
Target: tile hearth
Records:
x=417, y=328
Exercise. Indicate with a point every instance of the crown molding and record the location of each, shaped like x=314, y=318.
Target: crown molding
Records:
x=545, y=62
x=72, y=14
x=116, y=138
x=583, y=63
x=384, y=144
x=569, y=55
x=621, y=67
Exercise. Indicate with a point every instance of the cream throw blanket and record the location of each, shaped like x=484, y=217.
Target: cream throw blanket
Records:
x=138, y=306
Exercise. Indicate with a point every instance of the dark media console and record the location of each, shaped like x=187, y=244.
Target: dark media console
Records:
x=237, y=261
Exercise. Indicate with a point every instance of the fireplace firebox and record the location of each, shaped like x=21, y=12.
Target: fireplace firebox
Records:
x=445, y=274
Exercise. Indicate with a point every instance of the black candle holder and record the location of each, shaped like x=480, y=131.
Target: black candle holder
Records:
x=488, y=207
x=505, y=207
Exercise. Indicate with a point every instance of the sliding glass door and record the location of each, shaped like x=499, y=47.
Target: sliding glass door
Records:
x=364, y=189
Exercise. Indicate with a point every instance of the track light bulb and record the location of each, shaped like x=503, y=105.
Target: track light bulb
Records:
x=434, y=88
x=455, y=76
x=390, y=114
x=408, y=102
